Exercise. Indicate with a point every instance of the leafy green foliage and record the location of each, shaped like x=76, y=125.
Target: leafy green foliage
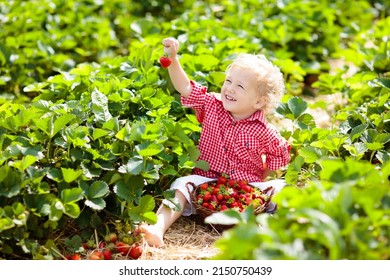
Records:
x=338, y=216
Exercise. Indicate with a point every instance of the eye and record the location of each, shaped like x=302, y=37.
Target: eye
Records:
x=228, y=81
x=240, y=86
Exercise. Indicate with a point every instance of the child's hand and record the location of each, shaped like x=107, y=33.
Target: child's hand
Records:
x=171, y=47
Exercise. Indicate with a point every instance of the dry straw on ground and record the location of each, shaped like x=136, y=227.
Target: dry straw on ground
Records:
x=186, y=239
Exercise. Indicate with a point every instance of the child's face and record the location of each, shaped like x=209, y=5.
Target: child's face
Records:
x=239, y=93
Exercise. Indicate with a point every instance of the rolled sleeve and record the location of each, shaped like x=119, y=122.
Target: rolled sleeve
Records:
x=278, y=154
x=196, y=100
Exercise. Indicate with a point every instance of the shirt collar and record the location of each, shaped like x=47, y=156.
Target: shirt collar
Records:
x=257, y=116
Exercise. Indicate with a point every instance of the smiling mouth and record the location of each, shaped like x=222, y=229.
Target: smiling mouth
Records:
x=229, y=98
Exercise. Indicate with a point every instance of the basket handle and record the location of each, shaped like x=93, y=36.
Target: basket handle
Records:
x=188, y=189
x=271, y=191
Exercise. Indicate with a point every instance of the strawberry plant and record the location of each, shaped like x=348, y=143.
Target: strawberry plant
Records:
x=89, y=157
x=337, y=216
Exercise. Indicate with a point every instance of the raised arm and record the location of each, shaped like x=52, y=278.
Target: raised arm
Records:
x=179, y=78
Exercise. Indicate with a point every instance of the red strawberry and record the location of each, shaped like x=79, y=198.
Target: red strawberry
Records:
x=96, y=255
x=112, y=237
x=207, y=196
x=75, y=257
x=221, y=180
x=135, y=252
x=205, y=204
x=242, y=183
x=165, y=61
x=220, y=197
x=107, y=254
x=231, y=183
x=122, y=247
x=248, y=189
x=224, y=207
x=248, y=201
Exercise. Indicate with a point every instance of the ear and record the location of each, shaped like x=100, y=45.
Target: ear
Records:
x=260, y=103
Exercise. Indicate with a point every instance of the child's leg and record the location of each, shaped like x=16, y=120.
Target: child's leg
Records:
x=154, y=234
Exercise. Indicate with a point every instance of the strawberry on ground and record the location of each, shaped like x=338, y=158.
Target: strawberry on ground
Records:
x=135, y=252
x=75, y=257
x=111, y=237
x=122, y=247
x=107, y=254
x=96, y=255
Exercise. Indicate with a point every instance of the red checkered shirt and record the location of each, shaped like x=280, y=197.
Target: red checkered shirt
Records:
x=234, y=147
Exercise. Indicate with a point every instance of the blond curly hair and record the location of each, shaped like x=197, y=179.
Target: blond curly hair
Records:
x=269, y=77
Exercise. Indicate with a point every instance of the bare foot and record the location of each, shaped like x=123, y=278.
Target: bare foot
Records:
x=153, y=235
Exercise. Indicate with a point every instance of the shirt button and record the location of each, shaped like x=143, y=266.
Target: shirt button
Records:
x=232, y=172
x=225, y=149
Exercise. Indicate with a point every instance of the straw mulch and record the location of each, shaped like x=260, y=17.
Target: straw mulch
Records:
x=187, y=239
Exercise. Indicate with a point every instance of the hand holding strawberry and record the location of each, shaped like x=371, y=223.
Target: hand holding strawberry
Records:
x=171, y=47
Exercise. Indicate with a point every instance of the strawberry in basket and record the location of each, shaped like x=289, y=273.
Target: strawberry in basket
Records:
x=224, y=193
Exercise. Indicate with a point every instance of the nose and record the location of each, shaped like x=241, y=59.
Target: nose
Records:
x=230, y=89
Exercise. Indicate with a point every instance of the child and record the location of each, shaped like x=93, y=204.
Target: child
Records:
x=235, y=136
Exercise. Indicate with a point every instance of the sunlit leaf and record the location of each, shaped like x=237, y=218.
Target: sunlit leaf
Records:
x=72, y=210
x=96, y=203
x=71, y=175
x=297, y=106
x=310, y=154
x=149, y=149
x=24, y=163
x=71, y=195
